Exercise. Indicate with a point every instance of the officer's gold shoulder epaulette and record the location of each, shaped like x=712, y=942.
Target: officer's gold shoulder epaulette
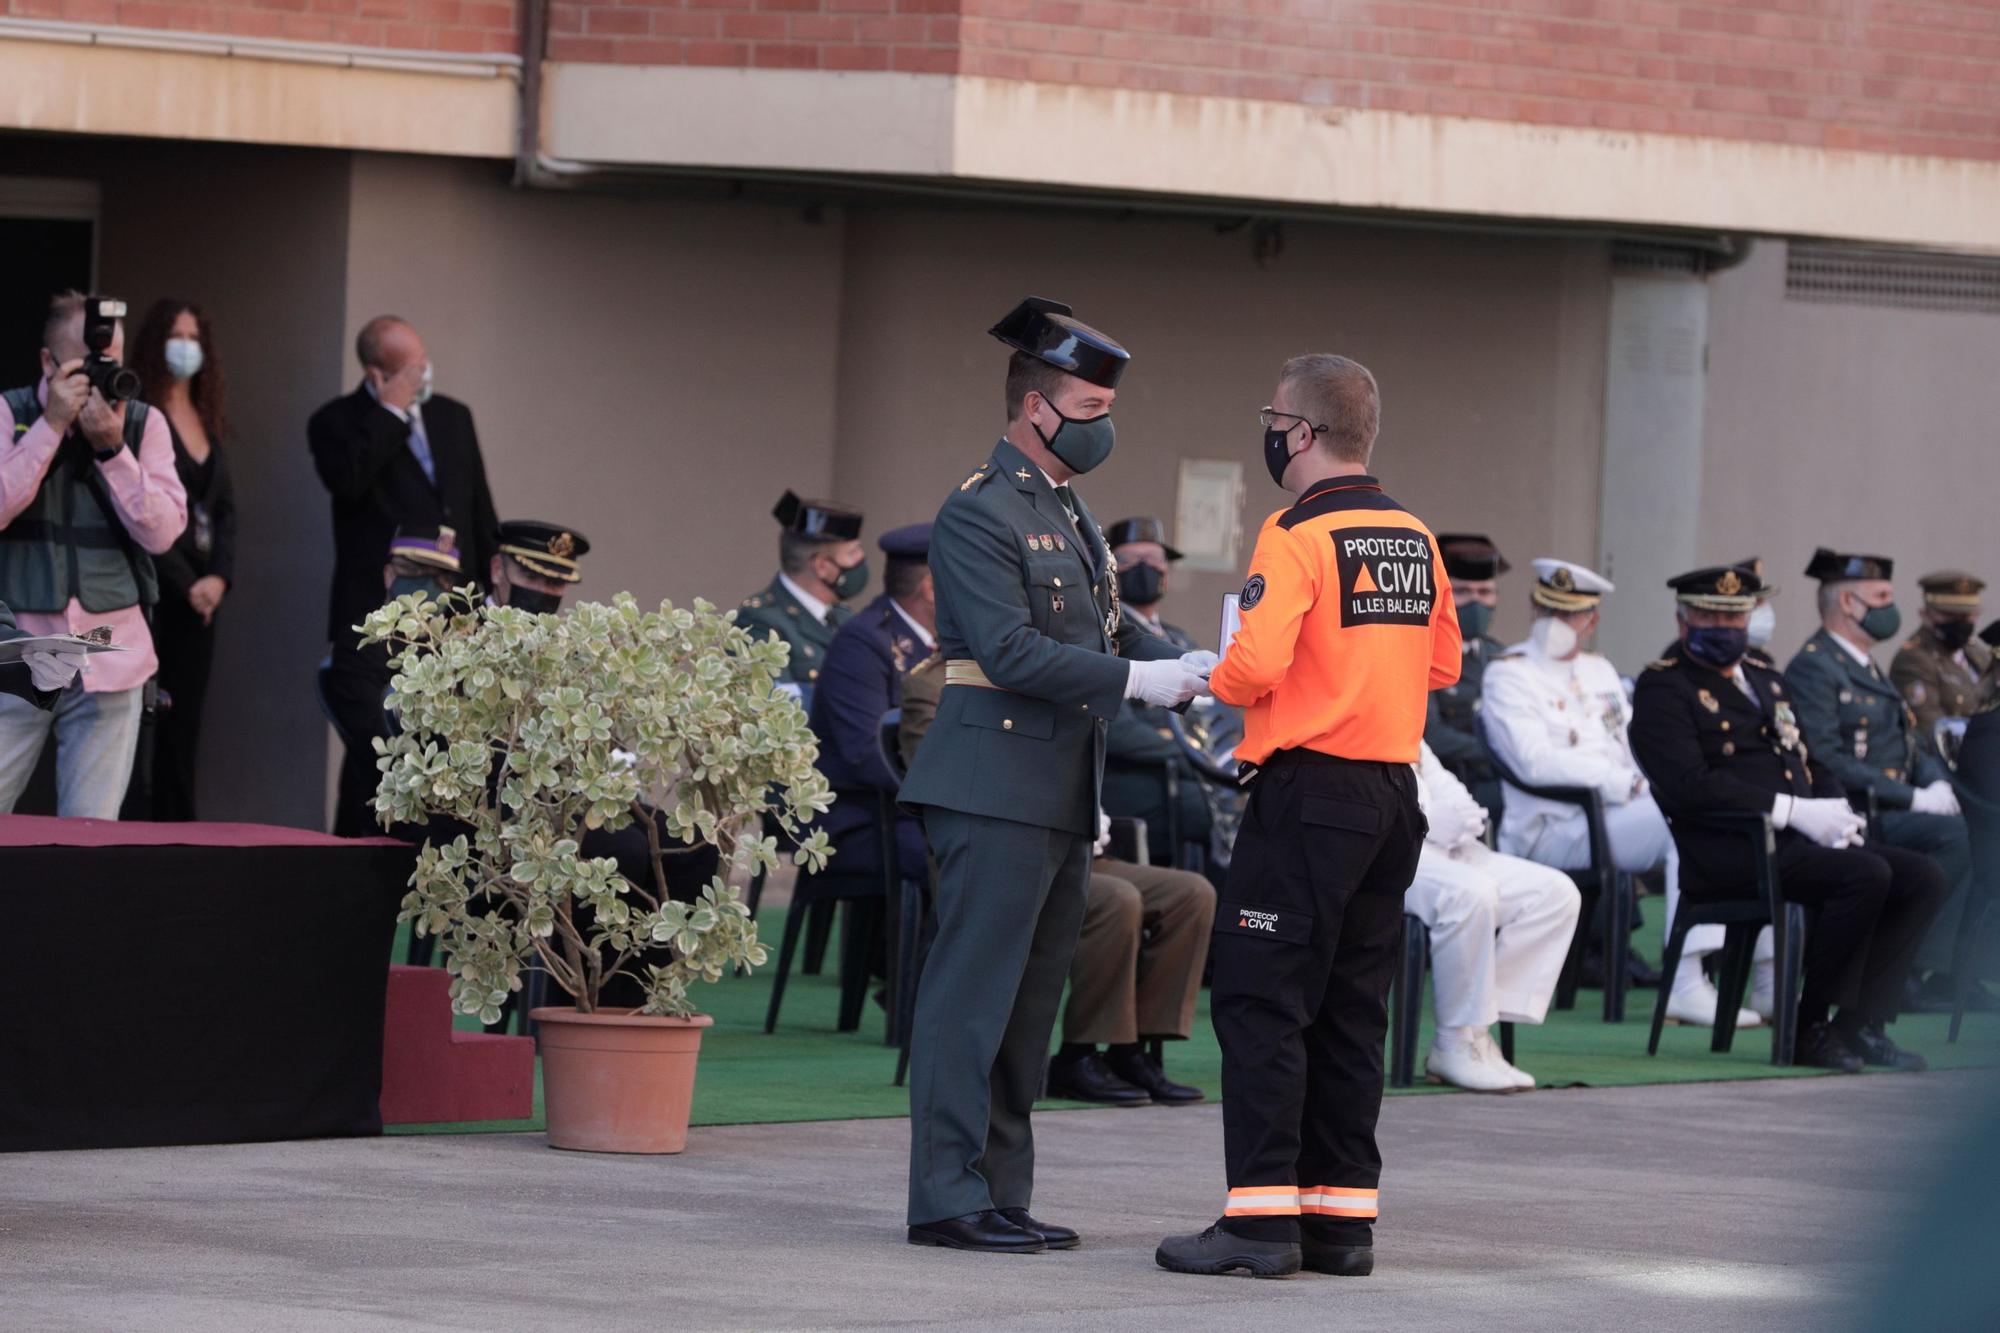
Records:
x=984, y=472
x=926, y=664
x=753, y=603
x=1812, y=647
x=1662, y=663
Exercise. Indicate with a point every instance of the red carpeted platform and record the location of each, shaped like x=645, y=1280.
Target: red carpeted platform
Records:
x=431, y=1073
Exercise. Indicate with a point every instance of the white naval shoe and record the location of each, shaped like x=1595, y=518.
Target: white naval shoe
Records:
x=1764, y=989
x=1464, y=1064
x=1523, y=1080
x=1694, y=1002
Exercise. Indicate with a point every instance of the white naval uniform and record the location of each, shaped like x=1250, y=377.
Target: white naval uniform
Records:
x=1562, y=724
x=1500, y=925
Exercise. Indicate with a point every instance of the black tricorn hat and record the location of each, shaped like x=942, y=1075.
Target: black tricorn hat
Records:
x=1719, y=588
x=1044, y=330
x=1471, y=556
x=1834, y=567
x=1140, y=530
x=821, y=520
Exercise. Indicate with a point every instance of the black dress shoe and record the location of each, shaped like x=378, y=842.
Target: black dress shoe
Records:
x=1872, y=1045
x=985, y=1231
x=1339, y=1260
x=1639, y=972
x=1214, y=1252
x=1089, y=1079
x=1058, y=1238
x=1138, y=1069
x=1821, y=1047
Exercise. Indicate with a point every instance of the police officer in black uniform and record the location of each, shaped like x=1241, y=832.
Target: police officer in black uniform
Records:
x=1451, y=727
x=1716, y=732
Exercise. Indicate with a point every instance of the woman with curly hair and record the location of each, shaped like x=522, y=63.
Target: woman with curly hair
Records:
x=176, y=357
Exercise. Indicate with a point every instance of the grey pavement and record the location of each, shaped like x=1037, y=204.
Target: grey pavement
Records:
x=1714, y=1206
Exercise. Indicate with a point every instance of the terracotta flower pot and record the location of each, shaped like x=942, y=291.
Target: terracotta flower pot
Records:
x=617, y=1080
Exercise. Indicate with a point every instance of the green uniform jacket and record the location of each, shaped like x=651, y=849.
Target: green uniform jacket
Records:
x=775, y=610
x=1856, y=723
x=1018, y=594
x=1935, y=683
x=1451, y=727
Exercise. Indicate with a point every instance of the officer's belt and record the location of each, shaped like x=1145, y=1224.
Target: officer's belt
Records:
x=965, y=671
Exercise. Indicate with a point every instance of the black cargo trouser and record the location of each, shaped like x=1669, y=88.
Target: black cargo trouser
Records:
x=1306, y=942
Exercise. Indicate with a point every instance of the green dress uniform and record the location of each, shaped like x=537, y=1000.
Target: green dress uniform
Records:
x=1941, y=669
x=1451, y=719
x=1008, y=782
x=777, y=612
x=1856, y=722
x=1139, y=746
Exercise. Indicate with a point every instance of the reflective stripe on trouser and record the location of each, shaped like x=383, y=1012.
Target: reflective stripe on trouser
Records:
x=1264, y=1201
x=1336, y=1201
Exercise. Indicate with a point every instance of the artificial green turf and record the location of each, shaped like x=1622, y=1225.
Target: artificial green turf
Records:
x=807, y=1071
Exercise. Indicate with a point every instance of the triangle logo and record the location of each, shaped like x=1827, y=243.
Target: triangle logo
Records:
x=1363, y=582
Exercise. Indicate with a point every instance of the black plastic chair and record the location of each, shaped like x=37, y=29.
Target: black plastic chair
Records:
x=1406, y=1004
x=1742, y=920
x=866, y=894
x=1600, y=881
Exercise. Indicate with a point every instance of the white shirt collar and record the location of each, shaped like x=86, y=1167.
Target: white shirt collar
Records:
x=1152, y=623
x=928, y=639
x=813, y=605
x=1859, y=655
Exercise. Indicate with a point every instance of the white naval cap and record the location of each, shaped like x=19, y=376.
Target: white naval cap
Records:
x=1562, y=585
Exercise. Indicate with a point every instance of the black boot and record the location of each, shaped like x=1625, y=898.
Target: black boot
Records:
x=1339, y=1260
x=1132, y=1064
x=1214, y=1252
x=1087, y=1078
x=1821, y=1047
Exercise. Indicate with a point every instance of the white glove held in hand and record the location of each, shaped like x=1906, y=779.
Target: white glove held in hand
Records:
x=1164, y=684
x=1103, y=834
x=1936, y=799
x=52, y=671
x=1828, y=821
x=1201, y=660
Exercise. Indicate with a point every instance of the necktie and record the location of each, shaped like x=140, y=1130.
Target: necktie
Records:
x=420, y=445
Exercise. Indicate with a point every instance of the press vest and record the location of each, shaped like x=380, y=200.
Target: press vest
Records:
x=69, y=541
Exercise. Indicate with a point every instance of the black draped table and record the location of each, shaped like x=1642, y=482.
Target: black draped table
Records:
x=191, y=983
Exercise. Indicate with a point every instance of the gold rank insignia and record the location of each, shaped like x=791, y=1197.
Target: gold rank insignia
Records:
x=1023, y=474
x=1562, y=581
x=1729, y=584
x=977, y=476
x=562, y=546
x=1708, y=701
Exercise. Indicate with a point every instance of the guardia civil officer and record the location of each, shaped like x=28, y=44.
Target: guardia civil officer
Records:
x=1037, y=660
x=1451, y=728
x=821, y=564
x=1717, y=732
x=1347, y=626
x=1942, y=670
x=1856, y=723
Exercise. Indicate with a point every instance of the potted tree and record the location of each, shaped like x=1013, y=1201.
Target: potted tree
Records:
x=519, y=731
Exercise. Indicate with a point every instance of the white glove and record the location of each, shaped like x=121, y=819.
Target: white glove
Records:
x=1828, y=820
x=52, y=671
x=1103, y=834
x=1167, y=684
x=1936, y=799
x=1201, y=660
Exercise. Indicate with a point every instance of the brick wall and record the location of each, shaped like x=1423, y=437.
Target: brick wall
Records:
x=916, y=36
x=469, y=26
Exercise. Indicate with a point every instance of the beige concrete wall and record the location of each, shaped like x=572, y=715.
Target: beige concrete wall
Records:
x=654, y=372
x=1489, y=352
x=1850, y=426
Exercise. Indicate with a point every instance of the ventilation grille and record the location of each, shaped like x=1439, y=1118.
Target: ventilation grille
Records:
x=1911, y=280
x=1650, y=257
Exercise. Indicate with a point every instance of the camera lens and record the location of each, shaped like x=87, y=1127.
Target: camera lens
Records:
x=122, y=385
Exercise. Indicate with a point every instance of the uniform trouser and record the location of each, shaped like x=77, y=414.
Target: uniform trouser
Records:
x=1137, y=971
x=1637, y=832
x=1306, y=941
x=1500, y=930
x=1874, y=903
x=1009, y=903
x=1944, y=839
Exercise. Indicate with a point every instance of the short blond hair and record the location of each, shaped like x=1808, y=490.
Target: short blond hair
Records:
x=1339, y=398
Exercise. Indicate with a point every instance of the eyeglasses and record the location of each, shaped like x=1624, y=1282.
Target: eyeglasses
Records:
x=1268, y=417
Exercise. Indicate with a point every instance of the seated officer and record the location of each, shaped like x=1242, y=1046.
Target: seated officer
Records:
x=424, y=558
x=1137, y=969
x=1556, y=715
x=536, y=565
x=1474, y=565
x=861, y=678
x=1942, y=670
x=1718, y=733
x=1138, y=745
x=820, y=565
x=1856, y=724
x=1500, y=929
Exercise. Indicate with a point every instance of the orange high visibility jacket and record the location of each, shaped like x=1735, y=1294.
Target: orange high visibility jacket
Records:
x=1348, y=625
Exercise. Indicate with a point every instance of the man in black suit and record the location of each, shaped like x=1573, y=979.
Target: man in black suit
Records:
x=1714, y=731
x=393, y=455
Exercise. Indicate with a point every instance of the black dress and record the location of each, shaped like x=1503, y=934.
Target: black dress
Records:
x=186, y=647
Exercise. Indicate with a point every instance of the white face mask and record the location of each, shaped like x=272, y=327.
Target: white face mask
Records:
x=1763, y=624
x=183, y=358
x=1553, y=638
x=424, y=390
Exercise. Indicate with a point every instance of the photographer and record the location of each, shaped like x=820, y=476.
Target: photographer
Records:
x=88, y=495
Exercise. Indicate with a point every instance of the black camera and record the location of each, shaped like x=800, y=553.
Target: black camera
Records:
x=117, y=383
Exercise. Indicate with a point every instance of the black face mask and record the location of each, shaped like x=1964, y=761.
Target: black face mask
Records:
x=1954, y=634
x=533, y=599
x=1141, y=585
x=1277, y=452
